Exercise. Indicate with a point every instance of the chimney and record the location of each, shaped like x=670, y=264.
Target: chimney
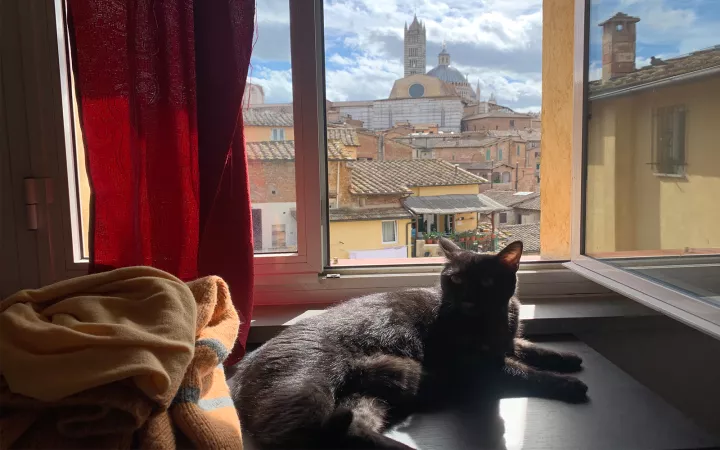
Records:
x=618, y=46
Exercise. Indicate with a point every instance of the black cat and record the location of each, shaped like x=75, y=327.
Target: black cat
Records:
x=338, y=380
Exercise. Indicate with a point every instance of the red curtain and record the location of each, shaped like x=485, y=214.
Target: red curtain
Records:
x=223, y=39
x=159, y=86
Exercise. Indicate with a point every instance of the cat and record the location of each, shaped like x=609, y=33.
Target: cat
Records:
x=340, y=379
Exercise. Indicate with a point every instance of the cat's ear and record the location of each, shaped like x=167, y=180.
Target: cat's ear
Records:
x=449, y=247
x=510, y=255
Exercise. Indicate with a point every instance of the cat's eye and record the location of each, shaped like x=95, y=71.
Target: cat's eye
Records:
x=456, y=279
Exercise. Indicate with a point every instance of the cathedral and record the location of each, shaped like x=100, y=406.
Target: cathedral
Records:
x=415, y=62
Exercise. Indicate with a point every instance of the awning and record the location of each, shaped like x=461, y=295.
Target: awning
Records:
x=453, y=204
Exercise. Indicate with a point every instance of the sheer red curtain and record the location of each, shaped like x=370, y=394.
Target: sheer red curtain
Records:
x=159, y=86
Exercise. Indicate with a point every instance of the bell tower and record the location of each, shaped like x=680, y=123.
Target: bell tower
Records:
x=415, y=58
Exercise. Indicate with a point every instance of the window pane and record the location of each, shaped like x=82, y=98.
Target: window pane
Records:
x=269, y=132
x=388, y=232
x=417, y=101
x=653, y=168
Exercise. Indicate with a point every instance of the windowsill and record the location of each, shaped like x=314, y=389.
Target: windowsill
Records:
x=408, y=261
x=671, y=175
x=546, y=316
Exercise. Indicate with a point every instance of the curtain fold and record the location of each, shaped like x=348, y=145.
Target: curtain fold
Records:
x=159, y=86
x=224, y=38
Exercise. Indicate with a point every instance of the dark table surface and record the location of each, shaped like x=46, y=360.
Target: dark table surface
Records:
x=622, y=415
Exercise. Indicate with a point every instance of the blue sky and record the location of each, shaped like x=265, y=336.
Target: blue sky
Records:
x=497, y=43
x=667, y=28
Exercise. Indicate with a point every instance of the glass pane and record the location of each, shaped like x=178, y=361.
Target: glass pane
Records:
x=269, y=132
x=431, y=115
x=653, y=167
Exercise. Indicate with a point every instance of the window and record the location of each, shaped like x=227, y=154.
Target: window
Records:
x=518, y=150
x=506, y=177
x=669, y=140
x=416, y=90
x=503, y=217
x=278, y=134
x=500, y=154
x=512, y=123
x=651, y=165
x=389, y=232
x=286, y=211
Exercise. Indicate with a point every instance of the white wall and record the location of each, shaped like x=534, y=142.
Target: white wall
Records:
x=277, y=214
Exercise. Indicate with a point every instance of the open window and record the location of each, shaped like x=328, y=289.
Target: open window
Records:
x=647, y=165
x=338, y=151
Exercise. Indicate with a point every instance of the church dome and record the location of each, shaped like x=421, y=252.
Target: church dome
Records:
x=443, y=70
x=447, y=74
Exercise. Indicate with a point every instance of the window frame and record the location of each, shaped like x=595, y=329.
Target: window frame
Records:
x=278, y=132
x=395, y=232
x=674, y=303
x=48, y=255
x=660, y=153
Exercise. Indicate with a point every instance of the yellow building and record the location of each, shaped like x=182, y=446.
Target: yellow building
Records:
x=653, y=157
x=267, y=125
x=392, y=200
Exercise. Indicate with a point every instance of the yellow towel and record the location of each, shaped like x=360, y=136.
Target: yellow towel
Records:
x=105, y=350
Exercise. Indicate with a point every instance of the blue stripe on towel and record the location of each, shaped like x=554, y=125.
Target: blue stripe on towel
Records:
x=217, y=346
x=208, y=404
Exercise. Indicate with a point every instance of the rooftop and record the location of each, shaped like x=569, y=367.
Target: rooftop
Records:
x=398, y=177
x=498, y=114
x=285, y=151
x=453, y=204
x=346, y=214
x=528, y=233
x=266, y=118
x=528, y=134
x=512, y=198
x=347, y=135
x=707, y=60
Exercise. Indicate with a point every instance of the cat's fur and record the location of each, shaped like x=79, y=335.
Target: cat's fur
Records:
x=339, y=379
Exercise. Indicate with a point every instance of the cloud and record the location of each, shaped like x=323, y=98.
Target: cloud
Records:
x=495, y=42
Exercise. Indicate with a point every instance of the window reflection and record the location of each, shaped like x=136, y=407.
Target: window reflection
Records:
x=653, y=157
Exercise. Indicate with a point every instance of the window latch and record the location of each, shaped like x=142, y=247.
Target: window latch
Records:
x=38, y=191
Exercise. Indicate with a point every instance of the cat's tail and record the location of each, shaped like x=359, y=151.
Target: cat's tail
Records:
x=357, y=423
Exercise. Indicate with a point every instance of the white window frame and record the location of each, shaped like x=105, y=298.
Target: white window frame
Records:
x=674, y=303
x=49, y=254
x=395, y=232
x=277, y=134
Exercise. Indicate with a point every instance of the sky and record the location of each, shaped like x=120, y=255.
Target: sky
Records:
x=667, y=28
x=497, y=43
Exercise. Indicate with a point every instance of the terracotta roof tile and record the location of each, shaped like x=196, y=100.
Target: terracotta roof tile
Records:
x=528, y=233
x=397, y=177
x=509, y=198
x=285, y=150
x=342, y=214
x=347, y=135
x=267, y=118
x=663, y=69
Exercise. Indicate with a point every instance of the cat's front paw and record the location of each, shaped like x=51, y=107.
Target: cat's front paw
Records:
x=569, y=362
x=571, y=390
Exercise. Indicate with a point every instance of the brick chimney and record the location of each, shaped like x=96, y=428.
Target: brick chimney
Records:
x=618, y=45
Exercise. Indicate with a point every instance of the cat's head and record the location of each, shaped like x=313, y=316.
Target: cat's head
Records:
x=477, y=283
